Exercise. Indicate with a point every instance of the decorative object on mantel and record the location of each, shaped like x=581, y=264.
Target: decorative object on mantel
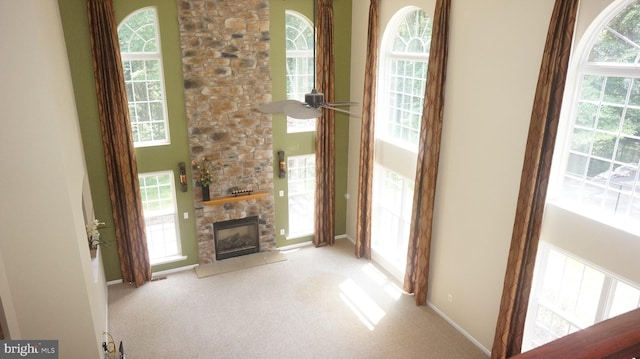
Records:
x=241, y=192
x=93, y=236
x=232, y=198
x=204, y=178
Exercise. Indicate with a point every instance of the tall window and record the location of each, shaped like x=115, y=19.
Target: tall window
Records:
x=599, y=176
x=392, y=215
x=593, y=184
x=402, y=78
x=142, y=63
x=301, y=183
x=300, y=65
x=404, y=60
x=160, y=215
x=570, y=294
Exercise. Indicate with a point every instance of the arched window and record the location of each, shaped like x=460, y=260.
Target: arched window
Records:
x=403, y=74
x=143, y=75
x=301, y=168
x=593, y=198
x=144, y=81
x=401, y=85
x=300, y=65
x=601, y=152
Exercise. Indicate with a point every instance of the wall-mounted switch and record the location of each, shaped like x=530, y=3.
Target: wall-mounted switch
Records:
x=282, y=232
x=185, y=215
x=281, y=193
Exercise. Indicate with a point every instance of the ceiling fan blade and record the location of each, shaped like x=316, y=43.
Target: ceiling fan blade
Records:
x=339, y=110
x=343, y=103
x=277, y=106
x=301, y=111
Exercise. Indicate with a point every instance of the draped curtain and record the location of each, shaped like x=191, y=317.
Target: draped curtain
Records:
x=367, y=137
x=417, y=270
x=120, y=160
x=324, y=233
x=533, y=183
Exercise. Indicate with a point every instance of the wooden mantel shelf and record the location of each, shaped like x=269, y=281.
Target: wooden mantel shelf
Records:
x=229, y=199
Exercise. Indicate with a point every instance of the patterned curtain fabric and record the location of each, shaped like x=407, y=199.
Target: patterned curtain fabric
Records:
x=533, y=184
x=417, y=272
x=367, y=138
x=325, y=130
x=120, y=158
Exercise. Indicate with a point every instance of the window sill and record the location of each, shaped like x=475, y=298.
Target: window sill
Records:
x=167, y=260
x=606, y=219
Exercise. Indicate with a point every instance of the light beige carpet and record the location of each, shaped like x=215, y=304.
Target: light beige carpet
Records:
x=239, y=263
x=321, y=303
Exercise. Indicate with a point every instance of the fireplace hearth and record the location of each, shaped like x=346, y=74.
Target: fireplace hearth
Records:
x=236, y=237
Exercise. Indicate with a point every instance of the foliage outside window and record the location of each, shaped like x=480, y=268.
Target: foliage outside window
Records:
x=143, y=75
x=403, y=78
x=299, y=65
x=600, y=175
x=301, y=183
x=160, y=215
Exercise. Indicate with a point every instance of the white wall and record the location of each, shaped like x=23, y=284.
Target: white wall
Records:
x=494, y=58
x=48, y=287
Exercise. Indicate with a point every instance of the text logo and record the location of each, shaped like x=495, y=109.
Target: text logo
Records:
x=32, y=349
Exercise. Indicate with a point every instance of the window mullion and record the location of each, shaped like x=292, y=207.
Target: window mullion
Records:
x=606, y=299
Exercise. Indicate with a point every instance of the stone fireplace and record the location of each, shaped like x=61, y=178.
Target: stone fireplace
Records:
x=236, y=237
x=226, y=70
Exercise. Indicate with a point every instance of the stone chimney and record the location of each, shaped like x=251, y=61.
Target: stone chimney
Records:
x=225, y=63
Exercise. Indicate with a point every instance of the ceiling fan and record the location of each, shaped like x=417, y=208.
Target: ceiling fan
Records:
x=310, y=108
x=313, y=101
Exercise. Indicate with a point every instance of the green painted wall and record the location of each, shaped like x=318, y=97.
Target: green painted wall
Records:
x=76, y=31
x=304, y=143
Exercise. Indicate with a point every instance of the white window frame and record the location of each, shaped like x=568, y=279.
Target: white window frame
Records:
x=297, y=125
x=392, y=155
x=391, y=218
x=149, y=215
x=605, y=299
x=147, y=55
x=579, y=68
x=308, y=193
x=389, y=58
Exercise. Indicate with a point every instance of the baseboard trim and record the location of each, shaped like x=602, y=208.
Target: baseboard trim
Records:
x=459, y=328
x=310, y=243
x=294, y=246
x=160, y=273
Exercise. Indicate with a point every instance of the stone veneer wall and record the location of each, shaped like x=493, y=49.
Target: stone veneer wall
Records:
x=225, y=61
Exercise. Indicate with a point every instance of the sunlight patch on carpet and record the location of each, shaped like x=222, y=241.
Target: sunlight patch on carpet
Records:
x=361, y=304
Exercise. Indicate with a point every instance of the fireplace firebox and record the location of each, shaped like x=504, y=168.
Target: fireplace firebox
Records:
x=236, y=237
